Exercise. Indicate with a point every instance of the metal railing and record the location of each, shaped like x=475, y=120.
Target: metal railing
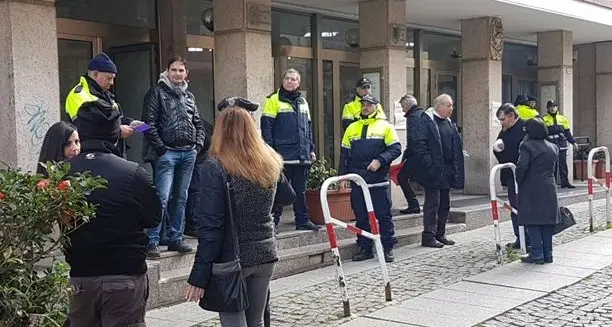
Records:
x=606, y=185
x=495, y=213
x=374, y=235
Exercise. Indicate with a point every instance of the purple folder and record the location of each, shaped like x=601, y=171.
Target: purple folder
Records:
x=142, y=128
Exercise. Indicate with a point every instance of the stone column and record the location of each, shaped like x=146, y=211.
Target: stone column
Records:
x=555, y=67
x=481, y=83
x=172, y=30
x=243, y=49
x=603, y=93
x=29, y=85
x=382, y=40
x=585, y=105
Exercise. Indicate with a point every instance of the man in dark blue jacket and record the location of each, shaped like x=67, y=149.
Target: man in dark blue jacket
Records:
x=507, y=150
x=438, y=159
x=369, y=146
x=412, y=113
x=287, y=128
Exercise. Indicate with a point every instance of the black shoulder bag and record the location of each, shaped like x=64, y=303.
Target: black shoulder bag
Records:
x=227, y=291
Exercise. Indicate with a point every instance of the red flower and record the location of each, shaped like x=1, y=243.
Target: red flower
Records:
x=2, y=196
x=67, y=217
x=63, y=185
x=42, y=184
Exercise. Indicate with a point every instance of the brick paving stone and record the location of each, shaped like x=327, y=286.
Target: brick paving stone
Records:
x=586, y=303
x=319, y=305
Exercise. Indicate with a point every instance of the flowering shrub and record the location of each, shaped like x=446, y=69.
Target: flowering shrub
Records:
x=37, y=215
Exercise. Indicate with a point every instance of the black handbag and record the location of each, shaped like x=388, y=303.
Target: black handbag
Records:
x=567, y=220
x=227, y=291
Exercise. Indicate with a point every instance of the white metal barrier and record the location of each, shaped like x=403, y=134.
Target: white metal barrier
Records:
x=494, y=212
x=374, y=235
x=605, y=185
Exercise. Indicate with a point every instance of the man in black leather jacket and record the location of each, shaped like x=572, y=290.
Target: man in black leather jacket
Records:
x=175, y=138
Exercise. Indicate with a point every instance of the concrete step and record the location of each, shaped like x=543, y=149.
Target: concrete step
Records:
x=171, y=283
x=171, y=260
x=479, y=215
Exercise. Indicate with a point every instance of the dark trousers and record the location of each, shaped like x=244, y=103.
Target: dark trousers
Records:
x=541, y=240
x=297, y=176
x=109, y=301
x=404, y=183
x=435, y=213
x=562, y=170
x=193, y=197
x=382, y=208
x=267, y=311
x=513, y=198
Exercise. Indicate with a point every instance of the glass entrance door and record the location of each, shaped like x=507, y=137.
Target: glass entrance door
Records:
x=74, y=54
x=137, y=73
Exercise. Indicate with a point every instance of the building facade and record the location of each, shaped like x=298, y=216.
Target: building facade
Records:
x=481, y=52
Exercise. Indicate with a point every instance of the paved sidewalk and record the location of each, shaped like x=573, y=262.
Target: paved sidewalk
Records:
x=421, y=278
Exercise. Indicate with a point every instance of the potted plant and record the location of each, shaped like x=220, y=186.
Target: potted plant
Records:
x=37, y=215
x=339, y=199
x=581, y=164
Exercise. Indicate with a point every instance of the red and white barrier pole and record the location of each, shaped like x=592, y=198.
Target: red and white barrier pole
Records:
x=592, y=179
x=374, y=235
x=495, y=212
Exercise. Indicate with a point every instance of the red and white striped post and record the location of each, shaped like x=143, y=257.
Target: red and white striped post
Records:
x=333, y=243
x=592, y=179
x=495, y=213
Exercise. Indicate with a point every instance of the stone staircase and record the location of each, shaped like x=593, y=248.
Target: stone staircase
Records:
x=301, y=251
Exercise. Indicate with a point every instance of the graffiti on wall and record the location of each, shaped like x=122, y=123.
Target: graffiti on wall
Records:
x=37, y=122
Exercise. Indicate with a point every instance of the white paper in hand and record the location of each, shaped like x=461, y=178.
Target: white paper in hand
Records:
x=498, y=146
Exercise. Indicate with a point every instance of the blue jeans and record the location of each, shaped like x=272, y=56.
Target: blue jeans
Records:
x=541, y=240
x=382, y=208
x=172, y=176
x=297, y=176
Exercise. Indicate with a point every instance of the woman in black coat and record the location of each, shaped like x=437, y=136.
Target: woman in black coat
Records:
x=239, y=155
x=537, y=204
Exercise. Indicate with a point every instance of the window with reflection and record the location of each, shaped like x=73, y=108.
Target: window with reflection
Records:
x=441, y=47
x=410, y=47
x=339, y=34
x=291, y=29
x=328, y=111
x=73, y=57
x=519, y=65
x=197, y=12
x=201, y=81
x=135, y=13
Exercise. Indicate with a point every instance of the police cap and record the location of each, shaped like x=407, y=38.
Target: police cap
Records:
x=237, y=102
x=361, y=83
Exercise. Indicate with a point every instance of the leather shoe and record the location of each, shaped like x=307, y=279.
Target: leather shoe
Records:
x=411, y=211
x=179, y=247
x=530, y=259
x=445, y=241
x=363, y=255
x=308, y=226
x=389, y=257
x=432, y=243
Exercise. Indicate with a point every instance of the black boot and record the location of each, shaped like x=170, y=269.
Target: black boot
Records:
x=363, y=255
x=445, y=241
x=432, y=243
x=389, y=257
x=179, y=247
x=153, y=252
x=411, y=210
x=530, y=259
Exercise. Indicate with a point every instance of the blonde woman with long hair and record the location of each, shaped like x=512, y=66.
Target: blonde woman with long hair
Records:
x=238, y=155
